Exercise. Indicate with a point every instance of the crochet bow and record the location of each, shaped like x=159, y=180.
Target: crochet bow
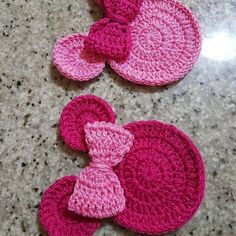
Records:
x=110, y=37
x=97, y=192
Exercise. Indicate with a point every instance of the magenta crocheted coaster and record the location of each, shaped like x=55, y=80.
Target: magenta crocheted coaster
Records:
x=54, y=215
x=149, y=42
x=163, y=179
x=148, y=175
x=77, y=113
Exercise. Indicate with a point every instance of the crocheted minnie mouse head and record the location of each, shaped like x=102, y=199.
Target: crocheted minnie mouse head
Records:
x=149, y=42
x=155, y=188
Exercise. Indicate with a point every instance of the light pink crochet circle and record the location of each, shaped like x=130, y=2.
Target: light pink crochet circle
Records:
x=73, y=61
x=77, y=113
x=162, y=177
x=166, y=42
x=54, y=215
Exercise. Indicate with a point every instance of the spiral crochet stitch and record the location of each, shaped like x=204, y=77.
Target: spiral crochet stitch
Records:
x=80, y=111
x=163, y=39
x=97, y=191
x=73, y=61
x=54, y=215
x=147, y=173
x=162, y=177
x=166, y=44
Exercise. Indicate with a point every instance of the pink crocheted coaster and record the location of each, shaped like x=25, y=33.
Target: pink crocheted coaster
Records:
x=54, y=215
x=149, y=42
x=73, y=61
x=166, y=44
x=157, y=186
x=163, y=179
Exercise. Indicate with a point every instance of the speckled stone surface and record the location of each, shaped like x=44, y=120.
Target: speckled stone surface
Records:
x=33, y=94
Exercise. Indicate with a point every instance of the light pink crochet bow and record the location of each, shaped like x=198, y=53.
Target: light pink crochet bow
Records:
x=97, y=192
x=110, y=37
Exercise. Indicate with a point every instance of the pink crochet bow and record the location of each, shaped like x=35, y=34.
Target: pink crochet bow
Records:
x=110, y=37
x=97, y=192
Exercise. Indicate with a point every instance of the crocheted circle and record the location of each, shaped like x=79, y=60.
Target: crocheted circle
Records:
x=73, y=61
x=162, y=177
x=77, y=113
x=54, y=215
x=166, y=42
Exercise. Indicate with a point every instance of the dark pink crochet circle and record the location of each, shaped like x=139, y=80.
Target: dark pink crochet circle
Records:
x=163, y=179
x=77, y=113
x=54, y=215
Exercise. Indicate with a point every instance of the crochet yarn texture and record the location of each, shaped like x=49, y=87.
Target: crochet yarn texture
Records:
x=162, y=177
x=97, y=191
x=77, y=113
x=110, y=37
x=73, y=61
x=158, y=172
x=165, y=42
x=54, y=215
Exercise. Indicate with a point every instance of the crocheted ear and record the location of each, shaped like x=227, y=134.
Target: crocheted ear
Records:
x=166, y=42
x=77, y=113
x=163, y=179
x=55, y=216
x=73, y=61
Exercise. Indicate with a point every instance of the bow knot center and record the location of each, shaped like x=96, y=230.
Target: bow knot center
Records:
x=100, y=166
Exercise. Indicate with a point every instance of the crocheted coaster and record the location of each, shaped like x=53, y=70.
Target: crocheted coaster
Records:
x=166, y=44
x=80, y=111
x=162, y=177
x=54, y=215
x=157, y=186
x=73, y=61
x=149, y=42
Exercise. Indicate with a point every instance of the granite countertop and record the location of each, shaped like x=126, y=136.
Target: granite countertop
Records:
x=33, y=94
